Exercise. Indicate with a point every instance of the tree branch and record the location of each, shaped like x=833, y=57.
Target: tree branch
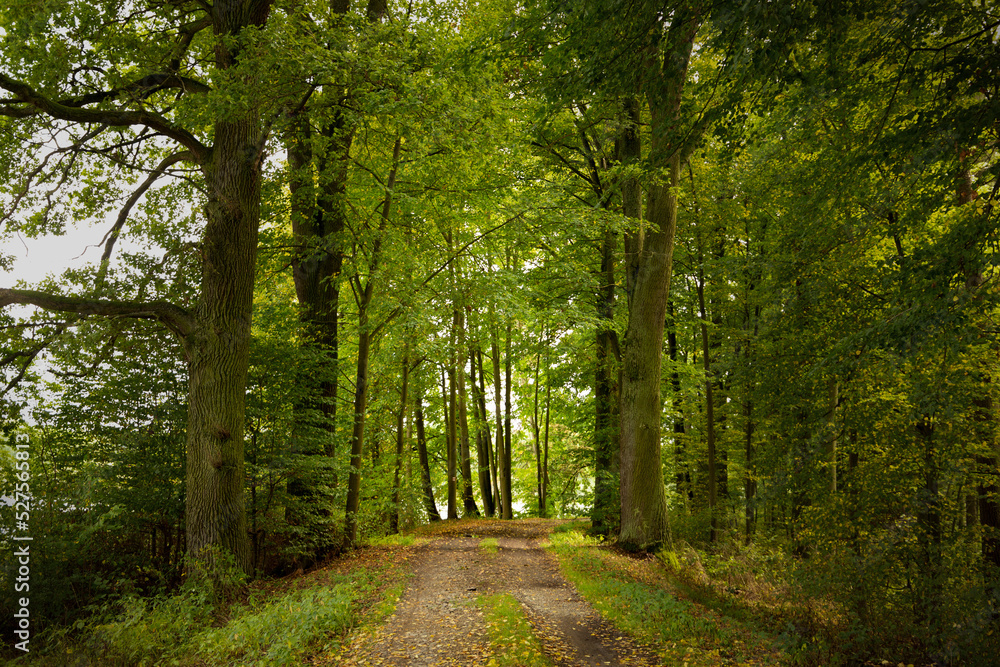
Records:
x=28, y=357
x=27, y=95
x=112, y=236
x=173, y=317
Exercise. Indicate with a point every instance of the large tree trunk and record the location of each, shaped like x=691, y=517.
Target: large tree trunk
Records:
x=643, y=496
x=318, y=218
x=219, y=346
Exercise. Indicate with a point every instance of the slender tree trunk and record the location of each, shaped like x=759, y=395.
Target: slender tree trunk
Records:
x=365, y=332
x=545, y=452
x=930, y=533
x=491, y=451
x=709, y=413
x=468, y=500
x=536, y=441
x=400, y=442
x=682, y=470
x=482, y=436
x=450, y=400
x=502, y=494
x=749, y=475
x=508, y=510
x=358, y=430
x=425, y=469
x=749, y=425
x=605, y=515
x=833, y=399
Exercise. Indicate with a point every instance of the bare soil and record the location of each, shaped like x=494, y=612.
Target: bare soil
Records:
x=437, y=620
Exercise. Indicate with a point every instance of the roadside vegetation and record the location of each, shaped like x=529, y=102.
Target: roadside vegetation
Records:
x=275, y=623
x=638, y=596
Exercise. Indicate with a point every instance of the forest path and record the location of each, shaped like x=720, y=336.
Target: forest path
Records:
x=438, y=621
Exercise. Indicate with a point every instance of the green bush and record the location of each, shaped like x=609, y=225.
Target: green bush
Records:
x=282, y=632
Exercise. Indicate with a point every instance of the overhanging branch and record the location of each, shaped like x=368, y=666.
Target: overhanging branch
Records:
x=173, y=317
x=39, y=103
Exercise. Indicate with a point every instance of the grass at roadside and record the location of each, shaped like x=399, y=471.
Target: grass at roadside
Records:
x=278, y=622
x=397, y=540
x=514, y=643
x=634, y=596
x=489, y=545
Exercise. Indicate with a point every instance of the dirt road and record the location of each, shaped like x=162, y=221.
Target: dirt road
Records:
x=437, y=620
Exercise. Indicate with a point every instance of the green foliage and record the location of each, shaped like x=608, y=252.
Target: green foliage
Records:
x=282, y=631
x=143, y=631
x=837, y=230
x=189, y=628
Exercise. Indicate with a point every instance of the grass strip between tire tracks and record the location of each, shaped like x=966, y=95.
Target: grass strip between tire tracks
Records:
x=513, y=640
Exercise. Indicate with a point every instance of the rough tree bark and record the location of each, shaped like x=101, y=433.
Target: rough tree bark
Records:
x=216, y=333
x=642, y=492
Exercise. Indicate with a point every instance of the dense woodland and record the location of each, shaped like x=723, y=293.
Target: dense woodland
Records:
x=714, y=274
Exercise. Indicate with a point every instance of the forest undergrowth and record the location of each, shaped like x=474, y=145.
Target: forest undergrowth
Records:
x=733, y=606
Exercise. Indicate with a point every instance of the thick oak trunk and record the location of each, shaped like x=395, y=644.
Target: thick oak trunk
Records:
x=218, y=347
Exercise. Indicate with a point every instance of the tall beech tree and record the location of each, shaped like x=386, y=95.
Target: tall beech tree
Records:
x=188, y=100
x=656, y=62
